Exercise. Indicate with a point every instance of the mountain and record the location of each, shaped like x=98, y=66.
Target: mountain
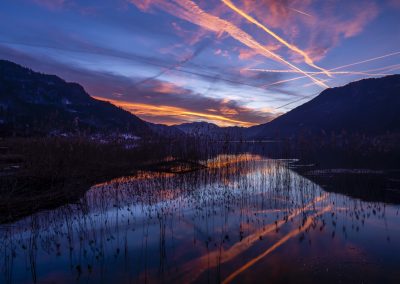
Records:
x=32, y=103
x=368, y=107
x=165, y=130
x=211, y=131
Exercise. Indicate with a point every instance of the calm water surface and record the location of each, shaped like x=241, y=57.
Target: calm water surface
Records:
x=244, y=219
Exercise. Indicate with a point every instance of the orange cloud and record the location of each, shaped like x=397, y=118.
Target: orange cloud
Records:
x=141, y=109
x=191, y=12
x=165, y=87
x=323, y=26
x=143, y=5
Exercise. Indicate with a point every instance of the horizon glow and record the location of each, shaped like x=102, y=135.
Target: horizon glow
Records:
x=228, y=62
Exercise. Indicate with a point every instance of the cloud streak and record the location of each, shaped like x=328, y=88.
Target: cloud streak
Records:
x=174, y=115
x=191, y=12
x=155, y=100
x=186, y=56
x=338, y=68
x=292, y=47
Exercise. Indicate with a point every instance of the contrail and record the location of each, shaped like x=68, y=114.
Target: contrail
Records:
x=312, y=83
x=189, y=11
x=293, y=233
x=197, y=51
x=367, y=60
x=134, y=58
x=295, y=101
x=217, y=24
x=336, y=68
x=294, y=48
x=316, y=73
x=301, y=12
x=387, y=68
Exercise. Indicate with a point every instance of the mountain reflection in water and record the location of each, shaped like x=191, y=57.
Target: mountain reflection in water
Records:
x=244, y=218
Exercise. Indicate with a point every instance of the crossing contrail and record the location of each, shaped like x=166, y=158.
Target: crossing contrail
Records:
x=338, y=68
x=294, y=48
x=191, y=12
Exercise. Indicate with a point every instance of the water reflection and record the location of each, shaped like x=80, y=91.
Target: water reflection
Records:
x=244, y=218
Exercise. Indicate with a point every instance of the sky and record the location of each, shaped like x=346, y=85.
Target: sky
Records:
x=229, y=62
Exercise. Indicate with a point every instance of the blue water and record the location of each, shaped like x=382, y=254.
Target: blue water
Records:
x=243, y=219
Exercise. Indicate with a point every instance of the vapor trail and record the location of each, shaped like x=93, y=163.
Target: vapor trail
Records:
x=387, y=68
x=134, y=58
x=175, y=66
x=301, y=12
x=368, y=60
x=337, y=68
x=295, y=101
x=317, y=73
x=294, y=48
x=191, y=12
x=311, y=83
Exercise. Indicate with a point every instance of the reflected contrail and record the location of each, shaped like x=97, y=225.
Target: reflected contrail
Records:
x=193, y=269
x=294, y=48
x=283, y=240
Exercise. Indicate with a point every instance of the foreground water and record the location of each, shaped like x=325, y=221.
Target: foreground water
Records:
x=243, y=219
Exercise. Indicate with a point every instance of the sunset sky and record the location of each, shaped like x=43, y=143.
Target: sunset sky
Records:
x=231, y=62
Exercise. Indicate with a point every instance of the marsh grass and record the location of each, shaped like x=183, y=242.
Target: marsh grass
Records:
x=197, y=226
x=50, y=172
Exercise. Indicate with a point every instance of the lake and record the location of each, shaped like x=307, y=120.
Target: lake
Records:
x=245, y=218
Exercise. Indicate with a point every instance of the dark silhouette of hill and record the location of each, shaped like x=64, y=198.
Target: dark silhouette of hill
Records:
x=211, y=131
x=166, y=131
x=368, y=107
x=32, y=103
